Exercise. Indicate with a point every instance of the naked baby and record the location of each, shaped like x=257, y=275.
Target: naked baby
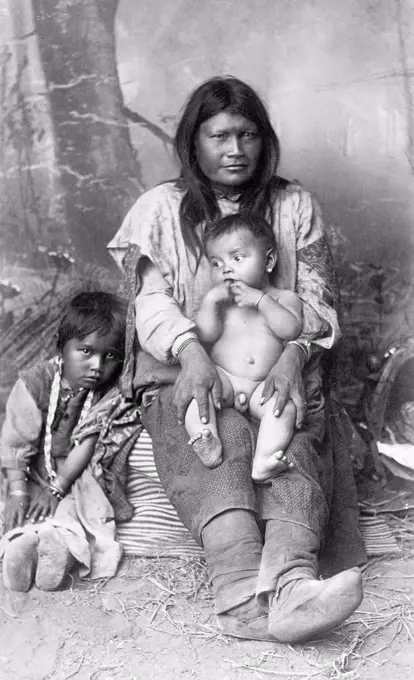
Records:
x=244, y=322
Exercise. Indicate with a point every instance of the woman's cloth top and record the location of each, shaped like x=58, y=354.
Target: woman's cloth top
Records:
x=172, y=286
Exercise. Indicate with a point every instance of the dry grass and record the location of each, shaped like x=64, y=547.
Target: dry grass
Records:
x=172, y=596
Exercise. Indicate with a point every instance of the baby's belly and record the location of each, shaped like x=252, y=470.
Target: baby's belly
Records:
x=249, y=357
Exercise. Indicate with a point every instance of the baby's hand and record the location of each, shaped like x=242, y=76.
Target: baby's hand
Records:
x=244, y=295
x=221, y=292
x=15, y=509
x=41, y=507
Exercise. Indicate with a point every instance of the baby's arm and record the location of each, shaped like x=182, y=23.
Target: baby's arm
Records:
x=282, y=310
x=209, y=318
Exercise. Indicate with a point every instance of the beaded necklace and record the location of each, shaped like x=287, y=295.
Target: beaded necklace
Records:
x=51, y=412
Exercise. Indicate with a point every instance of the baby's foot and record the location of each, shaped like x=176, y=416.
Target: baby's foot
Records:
x=265, y=468
x=241, y=402
x=207, y=448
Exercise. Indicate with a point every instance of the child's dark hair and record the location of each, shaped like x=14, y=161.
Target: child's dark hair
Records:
x=93, y=312
x=256, y=224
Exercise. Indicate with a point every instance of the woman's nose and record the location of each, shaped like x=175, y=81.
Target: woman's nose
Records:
x=235, y=147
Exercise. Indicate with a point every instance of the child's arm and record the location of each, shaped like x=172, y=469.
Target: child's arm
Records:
x=209, y=318
x=45, y=504
x=77, y=461
x=281, y=309
x=18, y=446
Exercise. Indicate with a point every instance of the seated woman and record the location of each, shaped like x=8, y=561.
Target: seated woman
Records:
x=265, y=545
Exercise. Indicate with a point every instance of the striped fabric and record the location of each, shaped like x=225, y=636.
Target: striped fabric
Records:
x=156, y=531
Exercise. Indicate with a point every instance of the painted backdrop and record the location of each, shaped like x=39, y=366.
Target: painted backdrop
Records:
x=90, y=91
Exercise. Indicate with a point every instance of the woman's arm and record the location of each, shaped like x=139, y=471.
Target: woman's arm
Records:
x=166, y=278
x=159, y=319
x=315, y=279
x=315, y=284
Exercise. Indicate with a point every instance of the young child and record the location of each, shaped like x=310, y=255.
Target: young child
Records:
x=244, y=322
x=44, y=406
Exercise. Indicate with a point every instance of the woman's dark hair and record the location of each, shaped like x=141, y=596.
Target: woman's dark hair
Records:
x=199, y=203
x=255, y=224
x=93, y=312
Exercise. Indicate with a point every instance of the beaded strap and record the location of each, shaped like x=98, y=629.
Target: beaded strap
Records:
x=51, y=412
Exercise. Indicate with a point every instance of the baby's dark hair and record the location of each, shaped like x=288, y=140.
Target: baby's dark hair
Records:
x=93, y=312
x=256, y=224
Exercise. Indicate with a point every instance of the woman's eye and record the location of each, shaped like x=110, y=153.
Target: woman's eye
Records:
x=86, y=351
x=111, y=356
x=250, y=134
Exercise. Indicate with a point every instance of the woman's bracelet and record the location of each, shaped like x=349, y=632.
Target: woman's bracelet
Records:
x=182, y=341
x=18, y=492
x=184, y=345
x=262, y=295
x=306, y=349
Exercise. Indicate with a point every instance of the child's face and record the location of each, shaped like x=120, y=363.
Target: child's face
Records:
x=92, y=361
x=238, y=256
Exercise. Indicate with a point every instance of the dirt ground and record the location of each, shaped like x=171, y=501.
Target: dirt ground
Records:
x=155, y=621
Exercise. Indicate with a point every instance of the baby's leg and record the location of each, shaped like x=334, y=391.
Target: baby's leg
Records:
x=274, y=437
x=204, y=437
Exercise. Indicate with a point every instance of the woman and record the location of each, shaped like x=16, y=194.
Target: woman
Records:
x=264, y=545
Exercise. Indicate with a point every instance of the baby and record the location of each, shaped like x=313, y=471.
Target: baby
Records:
x=244, y=322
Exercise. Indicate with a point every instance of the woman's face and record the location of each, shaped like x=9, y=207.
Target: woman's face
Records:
x=228, y=147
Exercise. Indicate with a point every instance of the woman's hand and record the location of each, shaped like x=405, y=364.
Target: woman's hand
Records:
x=198, y=377
x=285, y=378
x=42, y=507
x=15, y=509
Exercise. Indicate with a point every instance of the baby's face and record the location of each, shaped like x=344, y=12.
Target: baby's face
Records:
x=238, y=256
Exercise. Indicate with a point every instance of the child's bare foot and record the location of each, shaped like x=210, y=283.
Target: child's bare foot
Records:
x=265, y=468
x=241, y=403
x=207, y=447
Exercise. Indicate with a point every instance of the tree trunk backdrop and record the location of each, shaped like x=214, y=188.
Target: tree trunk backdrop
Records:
x=98, y=166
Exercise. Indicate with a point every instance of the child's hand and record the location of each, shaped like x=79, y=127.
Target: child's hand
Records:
x=15, y=509
x=221, y=292
x=41, y=507
x=243, y=295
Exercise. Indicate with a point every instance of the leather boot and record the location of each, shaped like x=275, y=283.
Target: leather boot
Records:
x=302, y=607
x=246, y=621
x=233, y=547
x=306, y=609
